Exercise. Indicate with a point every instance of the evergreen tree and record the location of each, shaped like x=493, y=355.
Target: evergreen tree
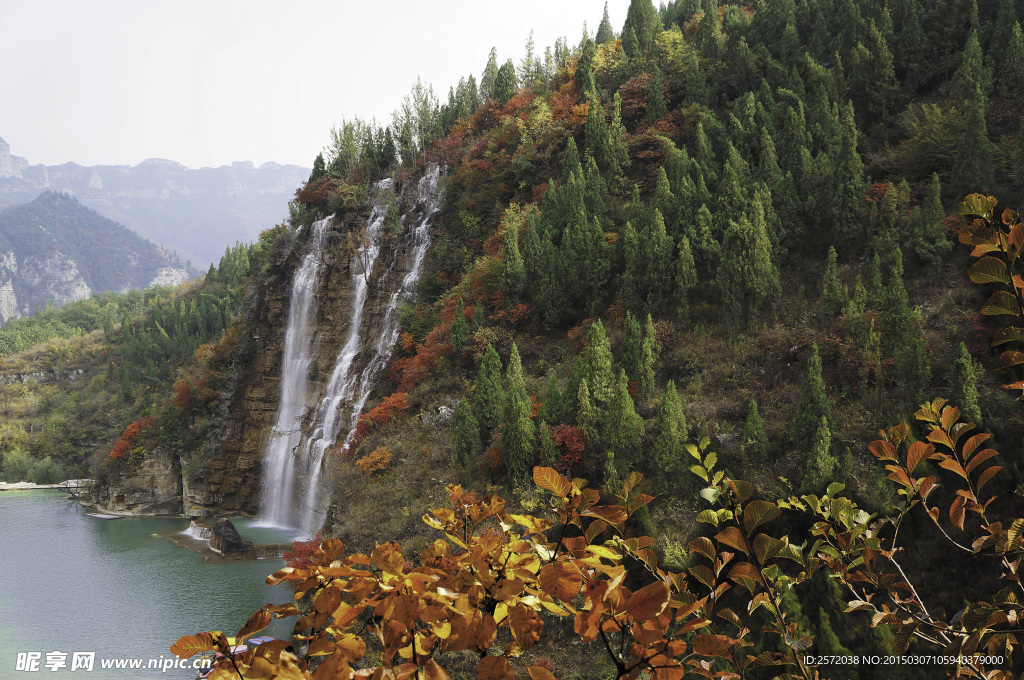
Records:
x=873, y=75
x=604, y=30
x=972, y=164
x=655, y=97
x=649, y=350
x=642, y=18
x=513, y=273
x=319, y=170
x=595, y=129
x=1011, y=75
x=667, y=455
x=617, y=157
x=755, y=439
x=548, y=453
x=851, y=187
x=466, y=433
x=833, y=295
x=488, y=394
x=963, y=387
x=686, y=278
x=876, y=291
x=597, y=362
x=506, y=82
x=748, y=279
x=913, y=370
x=489, y=75
x=518, y=436
x=623, y=426
x=588, y=420
x=912, y=45
x=972, y=81
x=708, y=38
x=632, y=341
x=460, y=329
x=822, y=466
x=928, y=241
x=814, y=405
x=584, y=76
x=551, y=410
x=895, y=313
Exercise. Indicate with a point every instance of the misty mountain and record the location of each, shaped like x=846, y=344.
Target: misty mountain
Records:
x=198, y=213
x=57, y=250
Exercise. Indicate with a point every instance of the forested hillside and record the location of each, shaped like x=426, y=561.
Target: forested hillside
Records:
x=55, y=249
x=683, y=275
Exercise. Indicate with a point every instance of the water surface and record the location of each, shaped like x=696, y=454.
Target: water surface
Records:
x=74, y=583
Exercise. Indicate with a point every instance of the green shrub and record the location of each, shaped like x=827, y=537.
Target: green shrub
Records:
x=45, y=471
x=17, y=466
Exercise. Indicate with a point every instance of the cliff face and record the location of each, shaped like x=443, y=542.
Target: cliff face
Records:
x=231, y=476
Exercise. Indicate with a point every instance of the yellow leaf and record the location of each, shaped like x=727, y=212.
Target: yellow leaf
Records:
x=540, y=673
x=190, y=645
x=561, y=580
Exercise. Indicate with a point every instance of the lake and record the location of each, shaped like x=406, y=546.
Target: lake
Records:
x=73, y=583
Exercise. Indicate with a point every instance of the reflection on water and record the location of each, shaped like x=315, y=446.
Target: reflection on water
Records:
x=73, y=583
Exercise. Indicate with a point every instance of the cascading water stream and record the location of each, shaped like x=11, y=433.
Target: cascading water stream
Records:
x=346, y=387
x=279, y=459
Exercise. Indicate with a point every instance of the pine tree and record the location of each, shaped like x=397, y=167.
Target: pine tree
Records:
x=489, y=75
x=506, y=82
x=632, y=341
x=963, y=385
x=708, y=38
x=623, y=427
x=548, y=453
x=972, y=73
x=466, y=433
x=460, y=329
x=833, y=295
x=584, y=76
x=642, y=18
x=597, y=361
x=604, y=30
x=814, y=405
x=929, y=241
x=755, y=439
x=667, y=454
x=895, y=313
x=588, y=421
x=649, y=350
x=1011, y=74
x=851, y=187
x=876, y=291
x=821, y=465
x=519, y=433
x=656, y=107
x=686, y=278
x=551, y=410
x=617, y=157
x=595, y=129
x=488, y=394
x=913, y=370
x=748, y=279
x=513, y=273
x=972, y=165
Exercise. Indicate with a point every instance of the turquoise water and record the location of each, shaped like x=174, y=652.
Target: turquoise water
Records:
x=74, y=583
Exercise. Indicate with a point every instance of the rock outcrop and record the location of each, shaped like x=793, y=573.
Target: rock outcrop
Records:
x=153, y=488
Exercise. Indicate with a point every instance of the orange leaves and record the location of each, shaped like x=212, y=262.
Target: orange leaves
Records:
x=376, y=461
x=561, y=580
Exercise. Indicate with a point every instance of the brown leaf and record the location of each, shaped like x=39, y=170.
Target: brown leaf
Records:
x=494, y=668
x=540, y=673
x=548, y=478
x=434, y=672
x=649, y=601
x=190, y=645
x=526, y=625
x=731, y=536
x=561, y=580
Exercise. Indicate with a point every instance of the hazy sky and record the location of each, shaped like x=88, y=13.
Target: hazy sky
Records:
x=208, y=82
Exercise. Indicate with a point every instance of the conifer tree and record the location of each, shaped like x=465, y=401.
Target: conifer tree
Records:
x=551, y=410
x=667, y=454
x=1011, y=74
x=595, y=191
x=489, y=75
x=708, y=38
x=513, y=273
x=460, y=329
x=971, y=171
x=597, y=360
x=519, y=433
x=708, y=250
x=821, y=465
x=548, y=453
x=912, y=45
x=623, y=427
x=588, y=421
x=686, y=278
x=895, y=313
x=928, y=236
x=913, y=370
x=595, y=130
x=649, y=350
x=584, y=76
x=814, y=405
x=876, y=291
x=631, y=48
x=755, y=439
x=642, y=18
x=466, y=433
x=963, y=387
x=664, y=200
x=972, y=73
x=604, y=30
x=488, y=394
x=655, y=97
x=851, y=187
x=632, y=341
x=873, y=75
x=506, y=82
x=748, y=279
x=833, y=296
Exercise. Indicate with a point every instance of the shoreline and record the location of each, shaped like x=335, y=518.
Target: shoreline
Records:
x=69, y=485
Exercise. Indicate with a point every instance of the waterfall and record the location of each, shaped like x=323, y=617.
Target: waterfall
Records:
x=197, y=532
x=346, y=387
x=279, y=459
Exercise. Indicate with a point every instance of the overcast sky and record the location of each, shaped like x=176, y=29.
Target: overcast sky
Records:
x=208, y=82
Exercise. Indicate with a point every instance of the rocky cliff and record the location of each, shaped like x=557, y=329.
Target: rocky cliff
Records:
x=55, y=250
x=196, y=212
x=226, y=477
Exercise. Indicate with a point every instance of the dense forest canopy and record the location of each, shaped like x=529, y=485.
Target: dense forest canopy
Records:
x=716, y=245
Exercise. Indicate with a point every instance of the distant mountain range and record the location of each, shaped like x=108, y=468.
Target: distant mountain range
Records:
x=56, y=250
x=197, y=213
